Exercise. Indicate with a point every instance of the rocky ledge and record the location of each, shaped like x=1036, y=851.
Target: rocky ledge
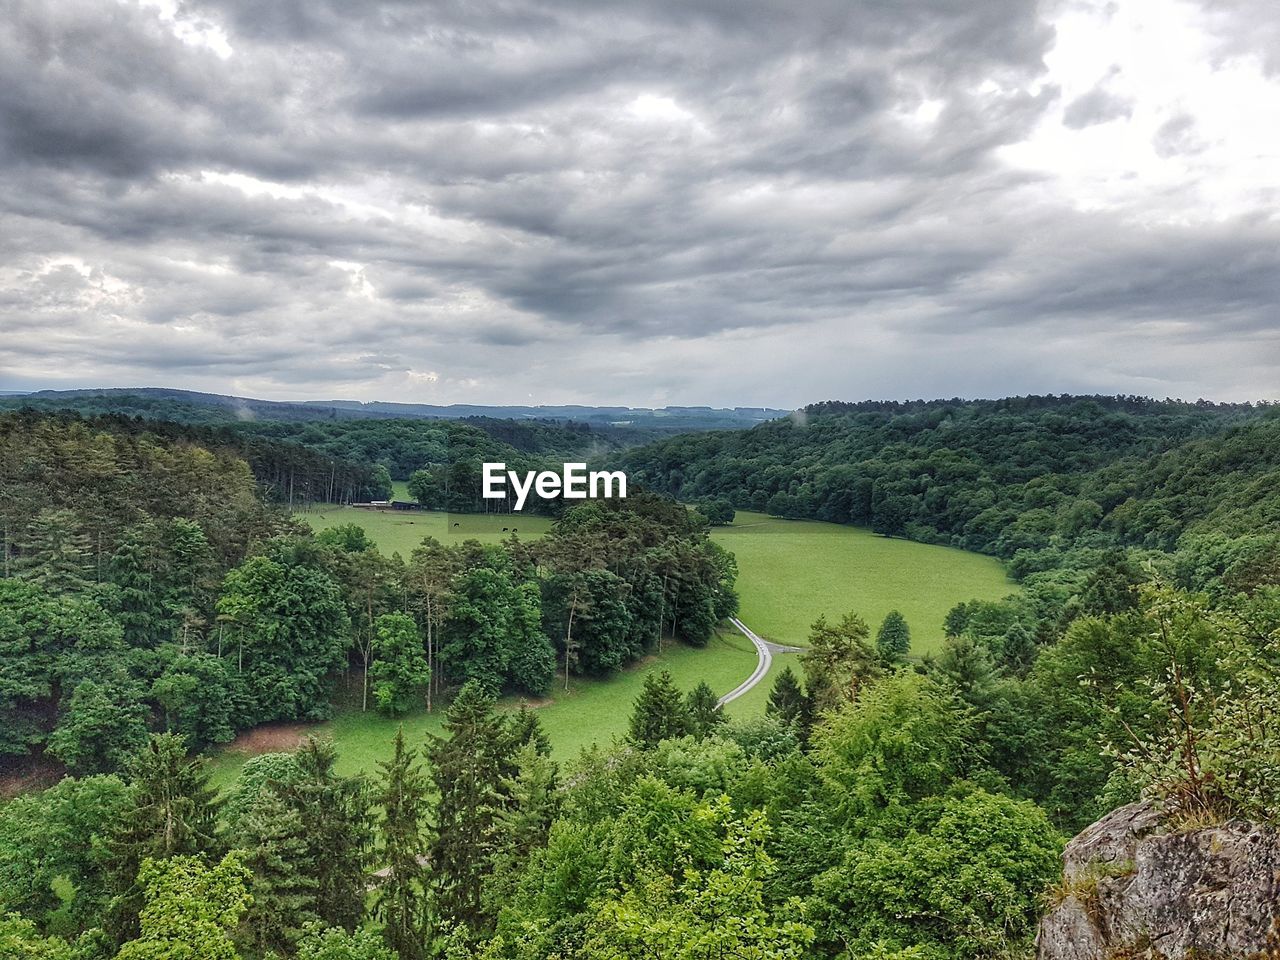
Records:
x=1136, y=889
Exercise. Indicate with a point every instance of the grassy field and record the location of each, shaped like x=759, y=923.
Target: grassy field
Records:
x=591, y=711
x=399, y=531
x=790, y=571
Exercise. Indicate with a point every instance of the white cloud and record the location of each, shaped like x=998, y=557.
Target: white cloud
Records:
x=649, y=106
x=1159, y=56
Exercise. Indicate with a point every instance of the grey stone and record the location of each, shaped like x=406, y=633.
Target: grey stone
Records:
x=1136, y=888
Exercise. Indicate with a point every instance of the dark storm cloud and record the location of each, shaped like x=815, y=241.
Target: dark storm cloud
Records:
x=586, y=201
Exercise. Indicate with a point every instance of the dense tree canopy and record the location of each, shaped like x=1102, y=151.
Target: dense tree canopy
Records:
x=998, y=476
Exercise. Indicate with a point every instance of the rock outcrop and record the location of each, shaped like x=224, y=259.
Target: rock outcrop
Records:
x=1134, y=888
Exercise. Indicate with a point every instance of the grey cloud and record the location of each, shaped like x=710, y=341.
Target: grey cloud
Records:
x=1177, y=135
x=1246, y=28
x=365, y=191
x=1099, y=105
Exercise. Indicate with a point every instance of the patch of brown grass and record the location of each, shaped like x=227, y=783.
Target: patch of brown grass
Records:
x=29, y=773
x=270, y=738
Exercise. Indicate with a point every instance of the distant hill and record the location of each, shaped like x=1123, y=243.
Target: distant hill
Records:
x=1009, y=476
x=191, y=407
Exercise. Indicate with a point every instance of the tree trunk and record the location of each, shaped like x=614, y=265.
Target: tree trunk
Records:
x=662, y=610
x=431, y=675
x=568, y=638
x=364, y=696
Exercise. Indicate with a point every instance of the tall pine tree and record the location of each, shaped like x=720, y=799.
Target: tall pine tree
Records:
x=659, y=712
x=400, y=899
x=335, y=816
x=894, y=638
x=172, y=812
x=283, y=883
x=137, y=604
x=467, y=768
x=55, y=552
x=704, y=711
x=787, y=702
x=524, y=823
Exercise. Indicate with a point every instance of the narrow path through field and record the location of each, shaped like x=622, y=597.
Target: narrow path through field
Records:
x=764, y=651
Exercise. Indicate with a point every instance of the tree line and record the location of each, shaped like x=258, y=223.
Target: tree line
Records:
x=1005, y=476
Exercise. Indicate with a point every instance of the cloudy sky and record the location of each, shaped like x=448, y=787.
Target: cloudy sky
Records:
x=735, y=202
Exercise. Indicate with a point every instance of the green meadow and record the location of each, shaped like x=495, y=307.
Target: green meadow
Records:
x=399, y=531
x=789, y=573
x=591, y=711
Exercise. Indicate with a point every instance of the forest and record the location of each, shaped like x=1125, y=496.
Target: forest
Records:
x=993, y=476
x=150, y=584
x=157, y=597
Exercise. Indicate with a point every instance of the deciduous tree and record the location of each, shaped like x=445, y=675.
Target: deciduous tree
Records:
x=399, y=671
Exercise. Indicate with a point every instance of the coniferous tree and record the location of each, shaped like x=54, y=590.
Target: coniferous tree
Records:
x=335, y=815
x=525, y=728
x=789, y=703
x=136, y=604
x=786, y=699
x=190, y=554
x=467, y=767
x=534, y=804
x=894, y=638
x=283, y=882
x=172, y=811
x=956, y=620
x=659, y=712
x=400, y=899
x=703, y=708
x=55, y=552
x=524, y=823
x=965, y=665
x=1018, y=651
